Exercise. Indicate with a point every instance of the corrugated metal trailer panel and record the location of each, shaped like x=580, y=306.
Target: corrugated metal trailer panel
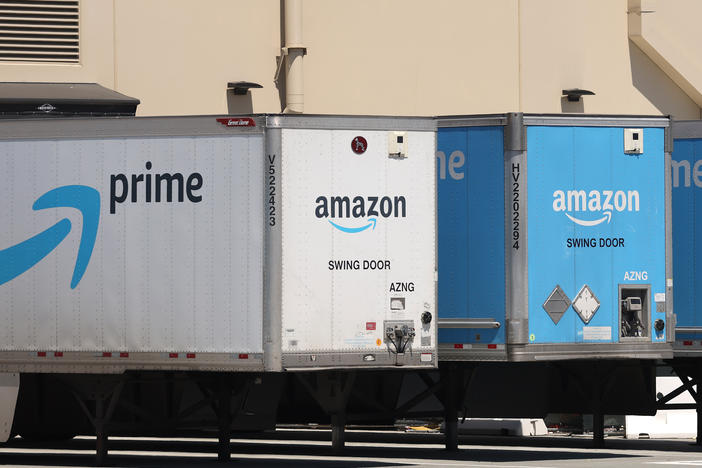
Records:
x=203, y=243
x=471, y=241
x=586, y=238
x=367, y=259
x=359, y=205
x=686, y=180
x=175, y=274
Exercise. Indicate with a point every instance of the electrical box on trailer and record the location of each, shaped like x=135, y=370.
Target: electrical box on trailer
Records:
x=397, y=144
x=633, y=140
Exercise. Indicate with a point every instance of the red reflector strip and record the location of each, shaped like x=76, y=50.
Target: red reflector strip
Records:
x=492, y=346
x=123, y=354
x=243, y=356
x=58, y=354
x=687, y=343
x=41, y=354
x=190, y=356
x=106, y=354
x=458, y=346
x=172, y=355
x=237, y=122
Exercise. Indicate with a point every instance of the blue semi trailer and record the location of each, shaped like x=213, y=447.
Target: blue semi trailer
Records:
x=686, y=178
x=686, y=175
x=554, y=238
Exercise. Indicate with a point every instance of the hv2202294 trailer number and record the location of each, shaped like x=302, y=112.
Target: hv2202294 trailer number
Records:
x=515, y=205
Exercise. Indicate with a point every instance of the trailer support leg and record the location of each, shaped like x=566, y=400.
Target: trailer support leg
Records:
x=450, y=413
x=338, y=425
x=331, y=391
x=224, y=450
x=598, y=429
x=102, y=418
x=451, y=427
x=690, y=375
x=102, y=392
x=599, y=386
x=448, y=377
x=100, y=433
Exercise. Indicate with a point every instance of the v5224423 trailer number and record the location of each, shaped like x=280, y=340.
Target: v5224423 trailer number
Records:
x=272, y=194
x=515, y=206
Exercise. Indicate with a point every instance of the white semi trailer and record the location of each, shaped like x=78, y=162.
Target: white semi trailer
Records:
x=162, y=272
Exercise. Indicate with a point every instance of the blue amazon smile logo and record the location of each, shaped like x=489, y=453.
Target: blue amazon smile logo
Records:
x=19, y=258
x=349, y=230
x=369, y=209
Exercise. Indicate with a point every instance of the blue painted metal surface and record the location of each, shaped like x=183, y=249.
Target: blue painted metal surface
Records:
x=687, y=200
x=471, y=231
x=591, y=159
x=19, y=258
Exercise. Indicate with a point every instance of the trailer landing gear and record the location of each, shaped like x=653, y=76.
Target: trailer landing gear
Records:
x=598, y=430
x=690, y=374
x=454, y=379
x=448, y=376
x=224, y=419
x=105, y=394
x=331, y=390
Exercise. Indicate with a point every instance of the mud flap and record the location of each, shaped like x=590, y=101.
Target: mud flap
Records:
x=9, y=388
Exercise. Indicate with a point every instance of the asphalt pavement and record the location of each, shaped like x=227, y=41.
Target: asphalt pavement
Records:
x=311, y=448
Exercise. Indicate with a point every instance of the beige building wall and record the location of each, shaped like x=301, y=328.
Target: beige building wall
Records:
x=411, y=56
x=177, y=56
x=406, y=57
x=667, y=32
x=584, y=44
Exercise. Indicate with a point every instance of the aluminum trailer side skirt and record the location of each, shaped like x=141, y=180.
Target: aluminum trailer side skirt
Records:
x=570, y=351
x=117, y=363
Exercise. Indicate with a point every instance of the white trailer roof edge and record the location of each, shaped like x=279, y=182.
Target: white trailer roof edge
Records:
x=348, y=122
x=687, y=129
x=205, y=125
x=578, y=120
x=118, y=127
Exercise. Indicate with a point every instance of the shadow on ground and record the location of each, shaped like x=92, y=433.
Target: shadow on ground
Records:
x=301, y=447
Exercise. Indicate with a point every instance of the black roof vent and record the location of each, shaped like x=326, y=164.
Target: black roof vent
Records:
x=575, y=94
x=26, y=100
x=242, y=87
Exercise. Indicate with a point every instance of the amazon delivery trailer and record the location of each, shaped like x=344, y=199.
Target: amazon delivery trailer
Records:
x=685, y=168
x=687, y=260
x=554, y=237
x=251, y=244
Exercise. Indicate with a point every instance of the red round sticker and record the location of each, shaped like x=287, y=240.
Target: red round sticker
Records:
x=359, y=145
